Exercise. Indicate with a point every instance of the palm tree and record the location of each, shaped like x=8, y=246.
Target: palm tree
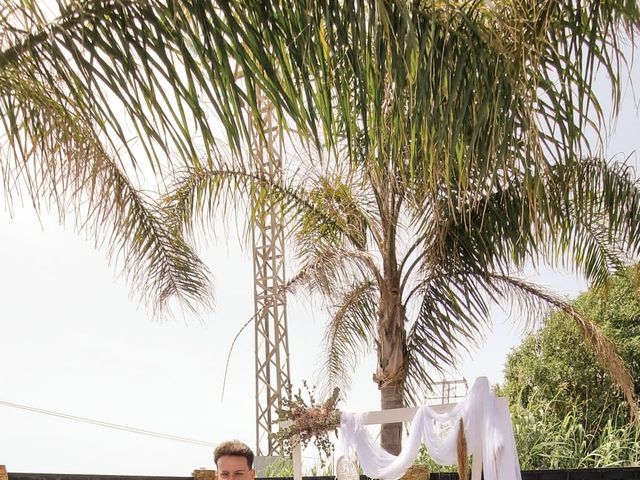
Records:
x=453, y=150
x=451, y=143
x=414, y=286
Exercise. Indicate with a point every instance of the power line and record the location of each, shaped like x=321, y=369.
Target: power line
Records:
x=114, y=426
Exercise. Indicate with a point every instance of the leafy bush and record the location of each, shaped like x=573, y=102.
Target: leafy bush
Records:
x=545, y=441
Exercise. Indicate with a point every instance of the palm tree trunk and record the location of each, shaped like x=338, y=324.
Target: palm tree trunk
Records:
x=391, y=371
x=391, y=396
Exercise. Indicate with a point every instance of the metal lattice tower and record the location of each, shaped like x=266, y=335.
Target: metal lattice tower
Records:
x=271, y=338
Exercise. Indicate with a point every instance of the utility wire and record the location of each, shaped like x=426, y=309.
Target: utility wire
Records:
x=114, y=426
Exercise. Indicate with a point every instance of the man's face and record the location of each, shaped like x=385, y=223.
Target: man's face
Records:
x=231, y=467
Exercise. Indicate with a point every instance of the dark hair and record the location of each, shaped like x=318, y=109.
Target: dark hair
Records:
x=233, y=448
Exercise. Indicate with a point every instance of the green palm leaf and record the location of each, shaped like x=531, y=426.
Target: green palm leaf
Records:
x=60, y=162
x=348, y=335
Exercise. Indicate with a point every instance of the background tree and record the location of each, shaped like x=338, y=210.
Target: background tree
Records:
x=545, y=441
x=555, y=364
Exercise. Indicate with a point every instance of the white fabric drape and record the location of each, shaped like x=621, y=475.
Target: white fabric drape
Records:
x=487, y=427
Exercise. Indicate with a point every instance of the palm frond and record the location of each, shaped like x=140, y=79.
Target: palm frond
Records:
x=454, y=307
x=322, y=230
x=330, y=271
x=349, y=333
x=596, y=225
x=335, y=200
x=606, y=351
x=586, y=217
x=572, y=40
x=169, y=68
x=494, y=232
x=450, y=93
x=61, y=162
x=452, y=311
x=318, y=223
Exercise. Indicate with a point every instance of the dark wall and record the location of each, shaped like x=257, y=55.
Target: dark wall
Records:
x=70, y=476
x=631, y=473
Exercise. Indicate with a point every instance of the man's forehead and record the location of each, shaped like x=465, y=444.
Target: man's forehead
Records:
x=233, y=462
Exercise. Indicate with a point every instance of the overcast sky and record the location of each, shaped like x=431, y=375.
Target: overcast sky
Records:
x=73, y=340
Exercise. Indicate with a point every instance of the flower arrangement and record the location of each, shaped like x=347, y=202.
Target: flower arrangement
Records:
x=309, y=421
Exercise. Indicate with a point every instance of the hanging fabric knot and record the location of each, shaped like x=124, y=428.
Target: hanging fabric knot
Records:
x=480, y=425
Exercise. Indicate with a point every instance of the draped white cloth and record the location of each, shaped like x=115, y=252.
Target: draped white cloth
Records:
x=487, y=427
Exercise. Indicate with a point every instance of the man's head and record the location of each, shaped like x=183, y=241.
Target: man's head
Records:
x=234, y=461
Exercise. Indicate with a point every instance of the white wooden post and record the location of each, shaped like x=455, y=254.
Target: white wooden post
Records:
x=297, y=461
x=296, y=454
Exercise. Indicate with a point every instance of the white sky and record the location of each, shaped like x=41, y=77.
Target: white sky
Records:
x=72, y=340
